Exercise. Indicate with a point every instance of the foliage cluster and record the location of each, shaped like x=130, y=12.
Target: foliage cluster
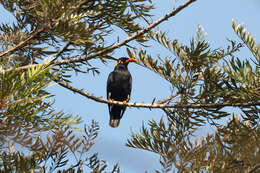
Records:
x=35, y=137
x=204, y=76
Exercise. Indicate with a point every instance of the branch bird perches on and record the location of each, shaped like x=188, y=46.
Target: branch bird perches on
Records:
x=154, y=105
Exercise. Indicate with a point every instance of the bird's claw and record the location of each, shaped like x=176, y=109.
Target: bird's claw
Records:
x=110, y=100
x=127, y=100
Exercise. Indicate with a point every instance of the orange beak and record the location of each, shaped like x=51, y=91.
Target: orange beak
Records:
x=130, y=60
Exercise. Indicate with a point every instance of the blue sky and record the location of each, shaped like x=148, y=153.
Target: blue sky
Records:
x=215, y=16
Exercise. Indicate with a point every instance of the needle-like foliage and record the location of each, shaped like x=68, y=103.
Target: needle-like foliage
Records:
x=34, y=52
x=202, y=75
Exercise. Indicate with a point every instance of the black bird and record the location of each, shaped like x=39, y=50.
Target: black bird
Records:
x=119, y=85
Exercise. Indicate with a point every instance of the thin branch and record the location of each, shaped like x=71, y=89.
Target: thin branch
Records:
x=60, y=52
x=155, y=105
x=109, y=49
x=71, y=169
x=167, y=99
x=21, y=68
x=256, y=167
x=137, y=34
x=21, y=44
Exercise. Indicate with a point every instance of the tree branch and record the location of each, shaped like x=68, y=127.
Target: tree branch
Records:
x=21, y=68
x=109, y=49
x=155, y=105
x=256, y=167
x=60, y=52
x=167, y=99
x=137, y=34
x=21, y=44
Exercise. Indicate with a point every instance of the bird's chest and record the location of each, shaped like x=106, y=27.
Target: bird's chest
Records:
x=121, y=85
x=121, y=80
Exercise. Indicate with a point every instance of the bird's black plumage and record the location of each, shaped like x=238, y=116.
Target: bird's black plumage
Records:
x=119, y=86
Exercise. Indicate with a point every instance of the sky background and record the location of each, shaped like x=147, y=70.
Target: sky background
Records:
x=215, y=16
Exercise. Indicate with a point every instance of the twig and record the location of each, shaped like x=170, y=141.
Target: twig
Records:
x=111, y=48
x=257, y=166
x=21, y=68
x=21, y=44
x=73, y=166
x=60, y=52
x=155, y=105
x=167, y=99
x=137, y=34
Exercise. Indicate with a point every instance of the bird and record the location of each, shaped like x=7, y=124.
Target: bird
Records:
x=119, y=86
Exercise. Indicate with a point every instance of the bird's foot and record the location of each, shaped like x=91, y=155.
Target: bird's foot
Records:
x=125, y=101
x=110, y=100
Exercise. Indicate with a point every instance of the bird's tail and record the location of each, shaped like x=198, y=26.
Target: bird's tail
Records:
x=115, y=115
x=114, y=122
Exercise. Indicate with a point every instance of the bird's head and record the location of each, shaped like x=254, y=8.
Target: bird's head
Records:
x=125, y=61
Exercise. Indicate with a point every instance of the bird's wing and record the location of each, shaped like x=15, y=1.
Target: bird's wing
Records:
x=109, y=89
x=109, y=84
x=130, y=87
